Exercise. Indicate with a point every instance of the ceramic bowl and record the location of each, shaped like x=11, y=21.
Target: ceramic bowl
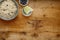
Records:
x=16, y=13
x=22, y=4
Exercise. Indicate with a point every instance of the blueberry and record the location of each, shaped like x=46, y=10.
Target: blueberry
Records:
x=23, y=2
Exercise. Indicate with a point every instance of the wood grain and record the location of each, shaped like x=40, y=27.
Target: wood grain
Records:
x=45, y=17
x=43, y=24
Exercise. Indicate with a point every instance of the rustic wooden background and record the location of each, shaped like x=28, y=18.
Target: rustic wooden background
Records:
x=47, y=12
x=45, y=19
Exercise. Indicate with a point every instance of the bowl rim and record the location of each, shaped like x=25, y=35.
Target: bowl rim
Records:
x=25, y=4
x=14, y=16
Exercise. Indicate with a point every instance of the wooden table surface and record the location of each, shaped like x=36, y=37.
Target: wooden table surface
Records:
x=43, y=24
x=45, y=17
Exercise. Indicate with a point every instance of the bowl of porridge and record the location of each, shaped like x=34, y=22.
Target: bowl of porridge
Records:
x=8, y=9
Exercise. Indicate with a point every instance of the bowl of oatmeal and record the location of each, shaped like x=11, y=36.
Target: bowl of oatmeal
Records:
x=8, y=9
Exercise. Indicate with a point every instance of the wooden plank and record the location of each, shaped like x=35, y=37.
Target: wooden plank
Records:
x=48, y=12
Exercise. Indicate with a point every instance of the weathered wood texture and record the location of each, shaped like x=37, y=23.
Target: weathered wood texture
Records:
x=44, y=22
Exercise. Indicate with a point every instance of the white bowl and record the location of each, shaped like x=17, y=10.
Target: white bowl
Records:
x=26, y=14
x=15, y=12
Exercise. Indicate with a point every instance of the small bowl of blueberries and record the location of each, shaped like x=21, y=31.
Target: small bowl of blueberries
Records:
x=23, y=2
